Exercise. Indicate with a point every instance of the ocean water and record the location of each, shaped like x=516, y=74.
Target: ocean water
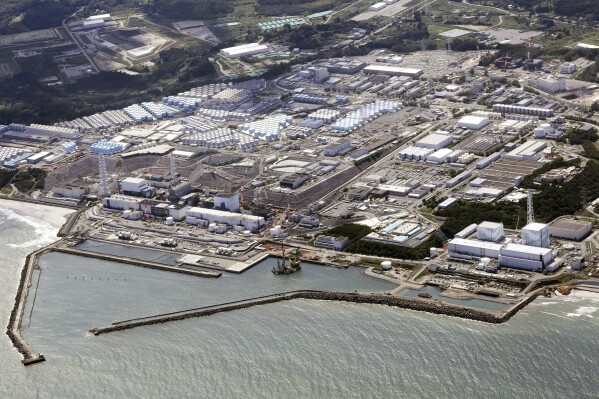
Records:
x=294, y=349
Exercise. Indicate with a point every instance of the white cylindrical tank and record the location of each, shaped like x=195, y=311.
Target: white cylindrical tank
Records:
x=170, y=221
x=386, y=265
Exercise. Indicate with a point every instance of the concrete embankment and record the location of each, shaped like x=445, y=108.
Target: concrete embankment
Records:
x=14, y=322
x=389, y=300
x=137, y=262
x=70, y=223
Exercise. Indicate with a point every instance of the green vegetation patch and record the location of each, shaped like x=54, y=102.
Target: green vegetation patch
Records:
x=24, y=180
x=357, y=245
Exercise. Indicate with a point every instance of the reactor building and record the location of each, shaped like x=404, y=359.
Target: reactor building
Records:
x=536, y=235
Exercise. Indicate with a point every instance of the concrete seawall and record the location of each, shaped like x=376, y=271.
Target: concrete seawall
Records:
x=137, y=262
x=389, y=300
x=13, y=329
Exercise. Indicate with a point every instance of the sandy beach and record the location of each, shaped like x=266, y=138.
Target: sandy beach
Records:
x=55, y=216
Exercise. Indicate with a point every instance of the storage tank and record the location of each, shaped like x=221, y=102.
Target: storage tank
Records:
x=170, y=221
x=386, y=265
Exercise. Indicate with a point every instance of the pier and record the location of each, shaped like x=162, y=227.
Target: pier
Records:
x=389, y=300
x=137, y=262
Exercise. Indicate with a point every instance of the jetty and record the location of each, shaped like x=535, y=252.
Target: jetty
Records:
x=423, y=305
x=16, y=315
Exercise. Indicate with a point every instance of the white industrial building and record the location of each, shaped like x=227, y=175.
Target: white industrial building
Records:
x=529, y=151
x=526, y=257
x=330, y=242
x=489, y=231
x=229, y=202
x=393, y=71
x=568, y=68
x=412, y=153
x=377, y=6
x=440, y=156
x=244, y=50
x=335, y=149
x=473, y=122
x=536, y=235
x=434, y=141
x=459, y=247
x=321, y=74
x=136, y=186
x=467, y=231
x=551, y=84
x=249, y=222
x=122, y=202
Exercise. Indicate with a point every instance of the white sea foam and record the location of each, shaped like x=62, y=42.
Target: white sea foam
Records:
x=583, y=311
x=43, y=232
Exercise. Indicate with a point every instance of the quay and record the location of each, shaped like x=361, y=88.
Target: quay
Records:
x=137, y=262
x=389, y=300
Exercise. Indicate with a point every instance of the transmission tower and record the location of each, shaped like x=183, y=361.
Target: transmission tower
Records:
x=530, y=210
x=103, y=176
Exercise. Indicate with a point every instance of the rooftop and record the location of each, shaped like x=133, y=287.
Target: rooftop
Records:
x=535, y=226
x=527, y=249
x=453, y=33
x=477, y=244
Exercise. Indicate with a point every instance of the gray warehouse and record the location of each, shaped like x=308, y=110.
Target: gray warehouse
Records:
x=570, y=229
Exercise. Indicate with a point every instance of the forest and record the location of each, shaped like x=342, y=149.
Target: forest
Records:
x=24, y=100
x=356, y=232
x=550, y=202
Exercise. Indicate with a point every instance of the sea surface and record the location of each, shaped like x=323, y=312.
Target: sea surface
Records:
x=292, y=349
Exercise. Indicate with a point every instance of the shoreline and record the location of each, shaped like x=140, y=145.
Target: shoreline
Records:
x=60, y=218
x=56, y=217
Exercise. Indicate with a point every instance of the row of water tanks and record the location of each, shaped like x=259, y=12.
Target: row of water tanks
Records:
x=325, y=115
x=267, y=129
x=138, y=113
x=160, y=111
x=205, y=91
x=222, y=115
x=185, y=103
x=220, y=138
x=365, y=114
x=107, y=147
x=305, y=98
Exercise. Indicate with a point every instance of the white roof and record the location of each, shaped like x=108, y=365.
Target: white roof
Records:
x=99, y=16
x=434, y=138
x=535, y=226
x=392, y=69
x=443, y=152
x=585, y=45
x=448, y=202
x=476, y=244
x=453, y=33
x=245, y=48
x=527, y=249
x=473, y=120
x=490, y=225
x=134, y=180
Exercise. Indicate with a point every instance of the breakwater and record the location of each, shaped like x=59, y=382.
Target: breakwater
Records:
x=13, y=329
x=389, y=300
x=137, y=262
x=70, y=223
